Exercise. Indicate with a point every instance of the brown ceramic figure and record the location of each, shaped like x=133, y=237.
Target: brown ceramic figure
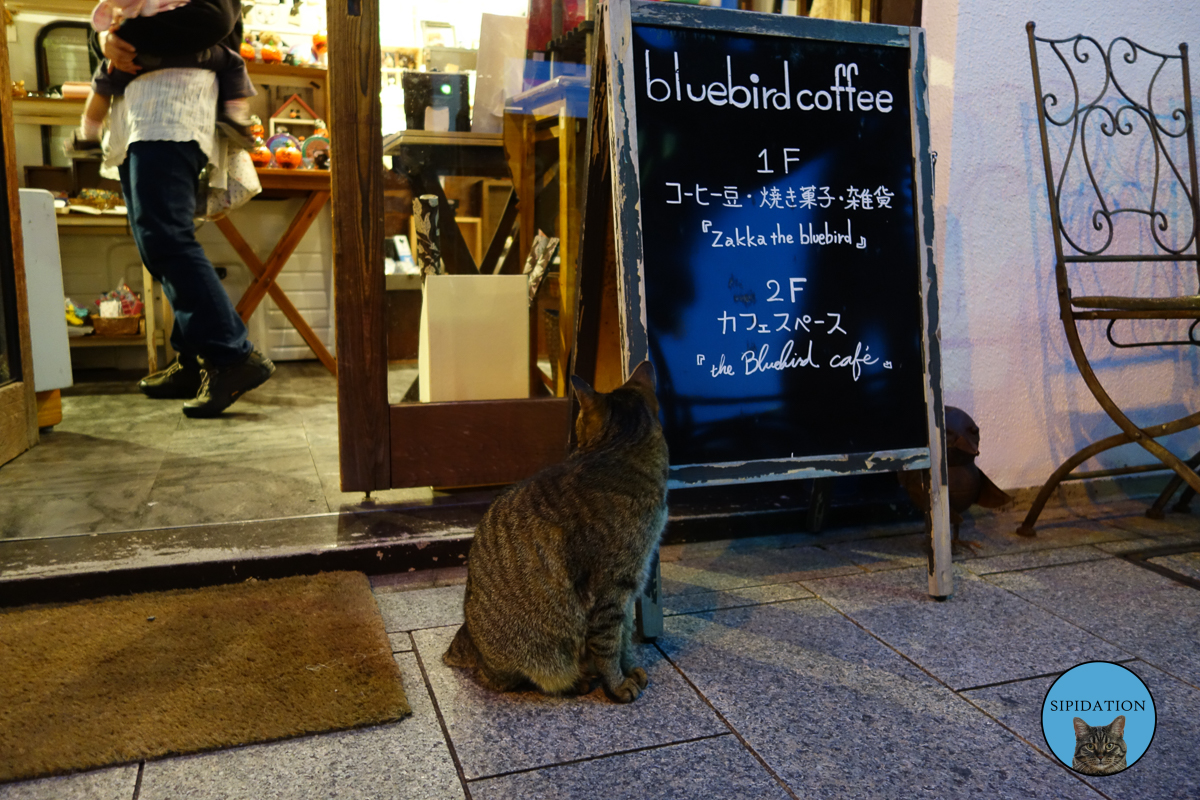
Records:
x=968, y=484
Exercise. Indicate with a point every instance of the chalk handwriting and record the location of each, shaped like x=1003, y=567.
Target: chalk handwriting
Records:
x=809, y=198
x=758, y=362
x=789, y=158
x=781, y=198
x=827, y=236
x=774, y=93
x=793, y=286
x=721, y=368
x=745, y=236
x=771, y=197
x=729, y=323
x=856, y=361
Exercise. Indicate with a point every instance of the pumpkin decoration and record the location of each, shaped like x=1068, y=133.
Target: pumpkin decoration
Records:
x=288, y=156
x=246, y=51
x=256, y=128
x=271, y=51
x=320, y=46
x=260, y=154
x=320, y=129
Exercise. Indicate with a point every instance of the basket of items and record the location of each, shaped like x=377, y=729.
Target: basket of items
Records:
x=117, y=326
x=120, y=313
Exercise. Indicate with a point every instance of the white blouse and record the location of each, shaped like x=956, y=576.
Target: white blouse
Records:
x=172, y=105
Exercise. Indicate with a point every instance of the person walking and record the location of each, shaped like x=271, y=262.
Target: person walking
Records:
x=162, y=135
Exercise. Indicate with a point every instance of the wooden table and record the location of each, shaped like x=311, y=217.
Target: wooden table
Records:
x=314, y=186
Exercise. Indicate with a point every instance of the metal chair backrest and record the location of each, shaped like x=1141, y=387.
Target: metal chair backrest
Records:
x=1122, y=203
x=1123, y=188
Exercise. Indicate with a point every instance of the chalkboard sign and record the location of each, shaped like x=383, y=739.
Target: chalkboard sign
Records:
x=772, y=185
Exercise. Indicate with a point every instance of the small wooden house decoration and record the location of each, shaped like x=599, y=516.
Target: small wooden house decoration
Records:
x=296, y=116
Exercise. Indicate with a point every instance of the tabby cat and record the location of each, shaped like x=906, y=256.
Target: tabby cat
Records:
x=1099, y=750
x=558, y=561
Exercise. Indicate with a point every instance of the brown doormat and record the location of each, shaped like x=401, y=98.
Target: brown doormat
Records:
x=150, y=675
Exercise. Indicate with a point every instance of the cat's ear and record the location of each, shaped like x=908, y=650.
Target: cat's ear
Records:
x=584, y=391
x=1117, y=727
x=1082, y=729
x=642, y=376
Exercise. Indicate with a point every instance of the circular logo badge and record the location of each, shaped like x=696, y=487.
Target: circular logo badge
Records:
x=1098, y=718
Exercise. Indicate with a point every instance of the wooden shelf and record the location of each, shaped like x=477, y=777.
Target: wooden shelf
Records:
x=113, y=225
x=274, y=179
x=95, y=340
x=94, y=225
x=457, y=138
x=46, y=111
x=287, y=75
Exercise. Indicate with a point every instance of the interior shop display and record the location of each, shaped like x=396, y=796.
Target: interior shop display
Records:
x=288, y=156
x=436, y=101
x=320, y=47
x=474, y=338
x=313, y=145
x=282, y=139
x=270, y=51
x=260, y=154
x=296, y=115
x=120, y=312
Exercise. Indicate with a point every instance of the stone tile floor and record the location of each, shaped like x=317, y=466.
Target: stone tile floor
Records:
x=803, y=666
x=120, y=461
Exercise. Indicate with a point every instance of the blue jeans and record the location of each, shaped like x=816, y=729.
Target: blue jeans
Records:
x=160, y=180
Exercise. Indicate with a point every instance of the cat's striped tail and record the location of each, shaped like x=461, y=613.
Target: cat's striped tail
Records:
x=462, y=651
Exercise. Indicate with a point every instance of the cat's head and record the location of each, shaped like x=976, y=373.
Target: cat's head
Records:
x=631, y=409
x=1100, y=747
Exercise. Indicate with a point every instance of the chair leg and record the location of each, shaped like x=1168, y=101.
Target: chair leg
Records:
x=1144, y=437
x=1068, y=466
x=1156, y=511
x=1116, y=440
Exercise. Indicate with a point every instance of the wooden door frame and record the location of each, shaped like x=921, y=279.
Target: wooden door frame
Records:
x=355, y=123
x=18, y=405
x=383, y=446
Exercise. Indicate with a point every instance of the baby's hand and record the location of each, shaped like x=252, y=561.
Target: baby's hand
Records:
x=120, y=53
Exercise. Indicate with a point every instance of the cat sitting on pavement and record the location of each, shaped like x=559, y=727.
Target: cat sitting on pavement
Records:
x=558, y=561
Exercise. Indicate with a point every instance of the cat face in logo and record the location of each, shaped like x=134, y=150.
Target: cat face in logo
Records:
x=1100, y=749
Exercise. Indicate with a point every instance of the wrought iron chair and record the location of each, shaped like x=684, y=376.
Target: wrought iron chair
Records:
x=1109, y=109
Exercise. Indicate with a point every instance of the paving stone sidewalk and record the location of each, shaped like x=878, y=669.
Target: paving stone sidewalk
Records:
x=791, y=667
